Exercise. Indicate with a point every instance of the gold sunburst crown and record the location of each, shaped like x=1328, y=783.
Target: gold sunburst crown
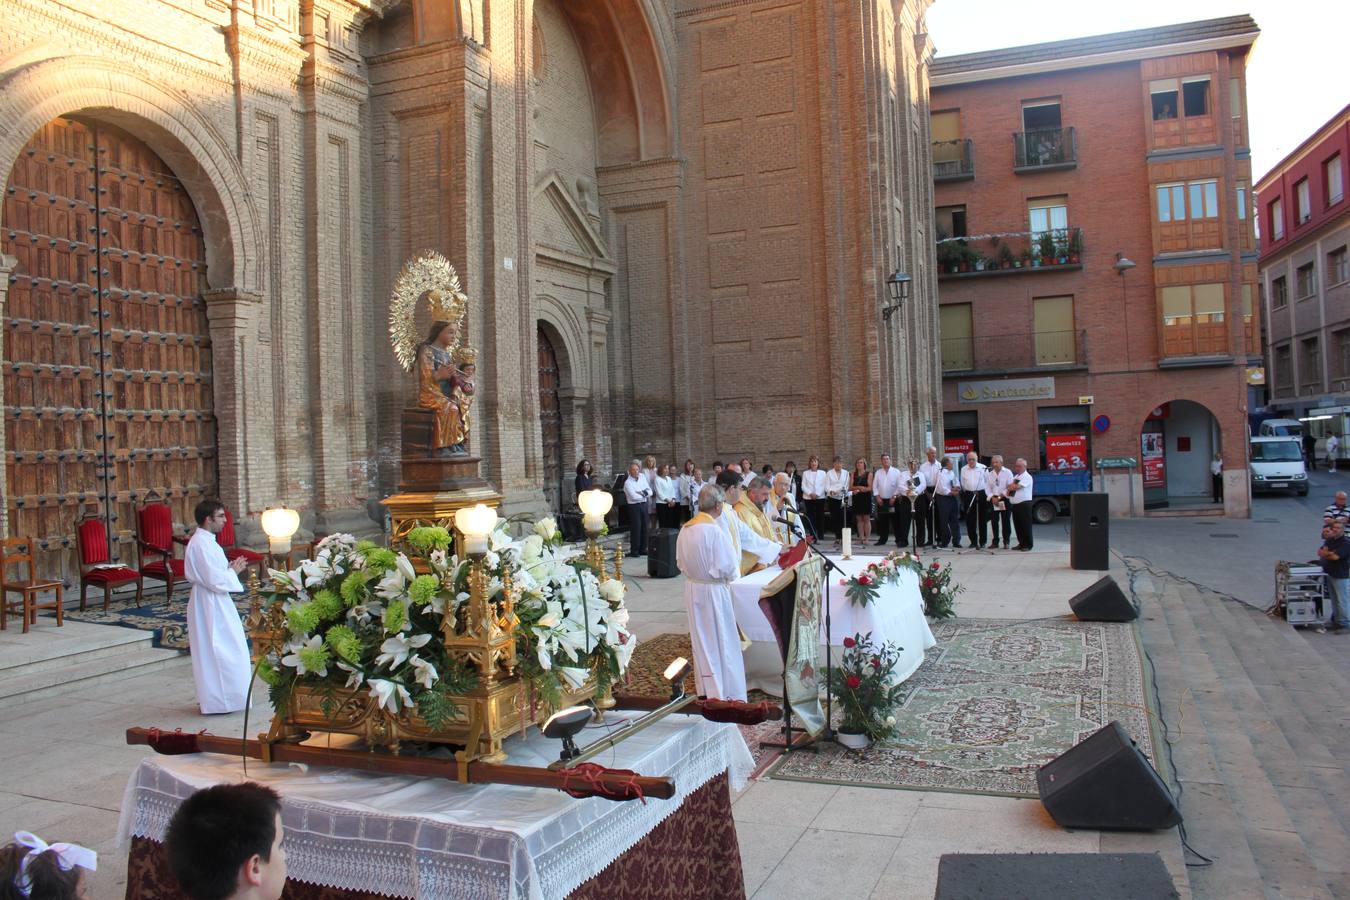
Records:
x=429, y=275
x=466, y=356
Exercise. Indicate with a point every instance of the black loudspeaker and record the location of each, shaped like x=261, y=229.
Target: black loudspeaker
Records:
x=1105, y=782
x=1089, y=544
x=661, y=553
x=1103, y=602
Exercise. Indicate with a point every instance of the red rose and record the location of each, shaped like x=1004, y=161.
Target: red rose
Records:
x=871, y=565
x=935, y=566
x=864, y=579
x=876, y=662
x=853, y=681
x=928, y=582
x=849, y=642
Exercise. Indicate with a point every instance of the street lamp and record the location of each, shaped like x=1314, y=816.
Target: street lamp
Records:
x=476, y=523
x=1123, y=264
x=897, y=287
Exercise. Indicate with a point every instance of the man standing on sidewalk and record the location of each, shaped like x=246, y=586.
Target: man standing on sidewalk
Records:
x=1335, y=556
x=1333, y=445
x=1337, y=511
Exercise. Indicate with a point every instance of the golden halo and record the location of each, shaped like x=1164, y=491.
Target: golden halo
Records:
x=431, y=275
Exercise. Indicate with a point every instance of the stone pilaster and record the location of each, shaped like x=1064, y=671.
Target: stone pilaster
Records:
x=7, y=264
x=230, y=314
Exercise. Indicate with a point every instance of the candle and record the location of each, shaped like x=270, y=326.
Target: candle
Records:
x=592, y=523
x=848, y=543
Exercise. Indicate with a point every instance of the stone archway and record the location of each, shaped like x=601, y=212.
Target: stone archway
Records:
x=1177, y=441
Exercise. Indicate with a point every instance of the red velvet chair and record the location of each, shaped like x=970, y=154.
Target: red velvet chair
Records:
x=155, y=542
x=96, y=566
x=229, y=543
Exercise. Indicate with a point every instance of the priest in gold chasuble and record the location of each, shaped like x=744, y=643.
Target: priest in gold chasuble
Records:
x=754, y=549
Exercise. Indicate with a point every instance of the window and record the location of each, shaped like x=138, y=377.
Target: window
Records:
x=1310, y=363
x=1304, y=199
x=1041, y=115
x=1334, y=179
x=1304, y=282
x=1235, y=97
x=1242, y=202
x=1276, y=210
x=1195, y=95
x=1204, y=199
x=1284, y=369
x=1193, y=320
x=1337, y=270
x=1279, y=293
x=1048, y=214
x=1342, y=340
x=957, y=350
x=951, y=221
x=1164, y=96
x=1249, y=332
x=1171, y=202
x=1055, y=343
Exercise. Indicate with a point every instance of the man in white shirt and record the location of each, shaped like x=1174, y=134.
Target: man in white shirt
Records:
x=1333, y=448
x=924, y=511
x=813, y=496
x=704, y=553
x=974, y=505
x=836, y=491
x=912, y=486
x=886, y=483
x=637, y=490
x=1019, y=499
x=1216, y=476
x=946, y=511
x=996, y=483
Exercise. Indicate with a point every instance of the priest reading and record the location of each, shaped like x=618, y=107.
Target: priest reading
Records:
x=705, y=555
x=754, y=547
x=220, y=663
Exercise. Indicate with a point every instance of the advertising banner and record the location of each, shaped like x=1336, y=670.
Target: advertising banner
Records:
x=957, y=446
x=1066, y=451
x=1151, y=452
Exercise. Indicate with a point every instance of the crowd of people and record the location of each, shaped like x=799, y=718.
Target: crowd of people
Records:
x=1334, y=555
x=924, y=503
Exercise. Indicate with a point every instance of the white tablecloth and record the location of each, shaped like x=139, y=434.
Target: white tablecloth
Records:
x=895, y=616
x=421, y=837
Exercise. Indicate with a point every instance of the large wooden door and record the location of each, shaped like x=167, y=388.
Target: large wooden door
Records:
x=107, y=355
x=550, y=421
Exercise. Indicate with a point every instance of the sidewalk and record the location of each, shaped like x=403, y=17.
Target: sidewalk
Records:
x=881, y=843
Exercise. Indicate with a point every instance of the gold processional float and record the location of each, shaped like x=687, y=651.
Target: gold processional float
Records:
x=473, y=665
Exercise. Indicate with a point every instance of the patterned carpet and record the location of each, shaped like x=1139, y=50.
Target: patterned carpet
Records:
x=993, y=701
x=166, y=618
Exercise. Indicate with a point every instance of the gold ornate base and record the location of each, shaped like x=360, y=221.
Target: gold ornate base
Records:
x=413, y=509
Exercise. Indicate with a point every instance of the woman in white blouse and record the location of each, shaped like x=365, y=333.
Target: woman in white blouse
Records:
x=683, y=485
x=667, y=499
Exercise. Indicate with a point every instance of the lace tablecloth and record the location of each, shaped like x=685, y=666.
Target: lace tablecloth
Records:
x=412, y=837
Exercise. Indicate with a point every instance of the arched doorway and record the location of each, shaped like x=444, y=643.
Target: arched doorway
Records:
x=108, y=358
x=550, y=421
x=1176, y=444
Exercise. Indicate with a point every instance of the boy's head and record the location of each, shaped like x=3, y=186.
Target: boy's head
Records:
x=225, y=842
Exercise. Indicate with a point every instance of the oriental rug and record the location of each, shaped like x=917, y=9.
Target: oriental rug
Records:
x=167, y=618
x=993, y=702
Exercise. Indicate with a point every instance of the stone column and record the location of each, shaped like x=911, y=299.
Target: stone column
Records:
x=7, y=264
x=229, y=316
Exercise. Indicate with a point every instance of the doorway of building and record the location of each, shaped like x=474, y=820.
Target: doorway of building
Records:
x=108, y=358
x=1176, y=443
x=550, y=422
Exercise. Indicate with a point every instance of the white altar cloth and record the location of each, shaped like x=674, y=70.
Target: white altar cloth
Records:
x=895, y=616
x=404, y=836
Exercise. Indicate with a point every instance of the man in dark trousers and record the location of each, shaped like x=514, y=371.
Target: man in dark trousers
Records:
x=1310, y=451
x=1335, y=558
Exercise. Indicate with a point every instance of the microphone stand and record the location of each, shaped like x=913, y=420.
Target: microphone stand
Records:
x=830, y=565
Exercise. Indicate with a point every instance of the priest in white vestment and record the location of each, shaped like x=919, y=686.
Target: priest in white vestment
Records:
x=751, y=548
x=220, y=663
x=709, y=563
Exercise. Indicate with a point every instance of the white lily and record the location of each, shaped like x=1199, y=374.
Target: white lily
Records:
x=316, y=571
x=404, y=565
x=546, y=527
x=613, y=591
x=392, y=585
x=389, y=694
x=362, y=613
x=395, y=651
x=354, y=675
x=574, y=676
x=501, y=537
x=545, y=653
x=531, y=549
x=426, y=672
x=293, y=658
x=334, y=542
x=624, y=643
x=552, y=616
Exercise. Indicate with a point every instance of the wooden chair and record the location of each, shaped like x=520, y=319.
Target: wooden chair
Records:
x=96, y=567
x=27, y=588
x=229, y=543
x=155, y=541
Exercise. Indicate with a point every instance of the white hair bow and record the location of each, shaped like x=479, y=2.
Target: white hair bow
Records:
x=68, y=856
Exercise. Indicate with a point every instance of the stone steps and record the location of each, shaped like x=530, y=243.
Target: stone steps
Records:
x=1258, y=731
x=67, y=660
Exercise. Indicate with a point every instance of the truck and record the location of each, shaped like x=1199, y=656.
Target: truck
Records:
x=1050, y=490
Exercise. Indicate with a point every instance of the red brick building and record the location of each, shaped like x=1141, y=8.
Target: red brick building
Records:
x=1096, y=257
x=1305, y=276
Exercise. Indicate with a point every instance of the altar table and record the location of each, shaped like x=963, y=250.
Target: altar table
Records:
x=362, y=834
x=895, y=616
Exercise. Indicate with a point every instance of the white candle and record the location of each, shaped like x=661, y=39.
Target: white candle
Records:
x=848, y=542
x=592, y=523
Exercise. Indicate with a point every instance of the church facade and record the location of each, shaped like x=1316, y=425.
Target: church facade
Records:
x=674, y=221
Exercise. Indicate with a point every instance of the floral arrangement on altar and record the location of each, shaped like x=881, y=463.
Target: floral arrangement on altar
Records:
x=861, y=684
x=362, y=617
x=935, y=583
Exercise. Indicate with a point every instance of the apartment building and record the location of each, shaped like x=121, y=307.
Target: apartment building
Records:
x=1097, y=260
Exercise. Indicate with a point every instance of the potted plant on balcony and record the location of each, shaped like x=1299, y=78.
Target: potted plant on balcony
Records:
x=1046, y=246
x=948, y=255
x=1075, y=246
x=1024, y=260
x=1005, y=257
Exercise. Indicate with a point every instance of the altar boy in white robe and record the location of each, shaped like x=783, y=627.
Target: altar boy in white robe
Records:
x=220, y=662
x=705, y=555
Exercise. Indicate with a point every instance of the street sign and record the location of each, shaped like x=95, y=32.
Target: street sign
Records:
x=1084, y=399
x=1117, y=462
x=1101, y=424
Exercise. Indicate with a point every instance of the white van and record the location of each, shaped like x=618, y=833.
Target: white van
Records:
x=1282, y=428
x=1277, y=465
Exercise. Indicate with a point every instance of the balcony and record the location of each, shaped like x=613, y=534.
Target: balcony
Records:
x=1045, y=150
x=1024, y=353
x=1016, y=253
x=953, y=160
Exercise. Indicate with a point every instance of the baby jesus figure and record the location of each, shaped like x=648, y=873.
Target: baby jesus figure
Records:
x=466, y=359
